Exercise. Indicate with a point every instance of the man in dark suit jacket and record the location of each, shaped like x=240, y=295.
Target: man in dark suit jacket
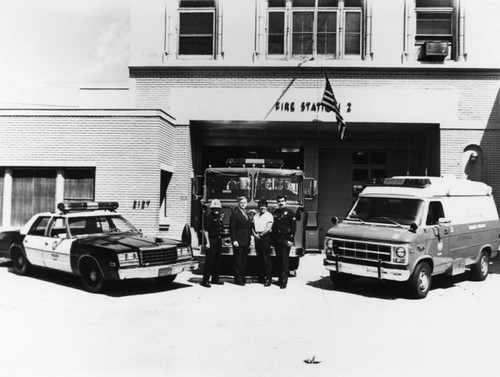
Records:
x=240, y=228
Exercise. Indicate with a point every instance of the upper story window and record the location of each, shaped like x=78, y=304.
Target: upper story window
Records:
x=331, y=28
x=196, y=27
x=436, y=25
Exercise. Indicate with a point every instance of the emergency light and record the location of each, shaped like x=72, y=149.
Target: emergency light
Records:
x=87, y=206
x=268, y=162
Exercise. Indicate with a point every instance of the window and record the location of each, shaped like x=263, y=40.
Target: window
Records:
x=330, y=28
x=436, y=21
x=196, y=27
x=79, y=184
x=367, y=167
x=33, y=191
x=435, y=213
x=38, y=228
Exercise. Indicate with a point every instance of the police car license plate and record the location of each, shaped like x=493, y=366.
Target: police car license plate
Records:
x=169, y=271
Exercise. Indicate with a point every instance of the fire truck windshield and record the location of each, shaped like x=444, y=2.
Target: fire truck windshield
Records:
x=228, y=185
x=269, y=186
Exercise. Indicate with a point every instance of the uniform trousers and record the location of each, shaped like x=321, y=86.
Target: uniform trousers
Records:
x=263, y=249
x=240, y=263
x=212, y=260
x=283, y=253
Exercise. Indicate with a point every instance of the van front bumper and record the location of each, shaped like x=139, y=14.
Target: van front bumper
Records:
x=377, y=272
x=156, y=271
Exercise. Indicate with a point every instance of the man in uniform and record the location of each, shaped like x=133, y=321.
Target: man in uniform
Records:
x=283, y=232
x=240, y=228
x=262, y=224
x=213, y=229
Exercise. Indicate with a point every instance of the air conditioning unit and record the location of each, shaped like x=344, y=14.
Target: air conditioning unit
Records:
x=434, y=50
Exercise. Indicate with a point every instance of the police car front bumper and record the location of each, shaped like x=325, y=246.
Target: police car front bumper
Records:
x=156, y=271
x=367, y=271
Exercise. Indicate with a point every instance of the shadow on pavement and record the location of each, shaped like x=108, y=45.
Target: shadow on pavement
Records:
x=112, y=288
x=386, y=290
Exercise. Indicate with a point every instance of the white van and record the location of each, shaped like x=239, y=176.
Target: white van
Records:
x=410, y=228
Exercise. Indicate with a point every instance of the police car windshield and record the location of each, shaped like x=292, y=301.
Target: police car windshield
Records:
x=387, y=211
x=271, y=185
x=228, y=185
x=79, y=226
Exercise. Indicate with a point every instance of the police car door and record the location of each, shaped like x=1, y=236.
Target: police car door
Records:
x=35, y=239
x=438, y=235
x=57, y=246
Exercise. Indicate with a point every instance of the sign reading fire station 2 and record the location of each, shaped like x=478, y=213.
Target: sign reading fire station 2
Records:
x=306, y=106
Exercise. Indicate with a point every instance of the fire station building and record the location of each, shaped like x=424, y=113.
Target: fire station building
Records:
x=417, y=83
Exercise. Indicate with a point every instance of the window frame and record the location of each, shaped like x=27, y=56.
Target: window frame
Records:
x=197, y=10
x=340, y=12
x=452, y=39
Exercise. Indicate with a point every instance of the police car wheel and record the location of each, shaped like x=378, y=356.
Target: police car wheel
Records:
x=481, y=269
x=420, y=281
x=20, y=264
x=166, y=279
x=92, y=278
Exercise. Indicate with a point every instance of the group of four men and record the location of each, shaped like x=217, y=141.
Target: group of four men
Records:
x=268, y=229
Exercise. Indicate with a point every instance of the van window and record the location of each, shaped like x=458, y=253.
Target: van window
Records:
x=435, y=213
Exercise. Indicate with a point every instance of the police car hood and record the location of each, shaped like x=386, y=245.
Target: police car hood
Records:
x=370, y=232
x=124, y=242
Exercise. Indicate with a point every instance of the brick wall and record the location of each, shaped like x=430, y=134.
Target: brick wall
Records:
x=127, y=148
x=477, y=100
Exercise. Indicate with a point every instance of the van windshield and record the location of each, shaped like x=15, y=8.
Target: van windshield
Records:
x=387, y=210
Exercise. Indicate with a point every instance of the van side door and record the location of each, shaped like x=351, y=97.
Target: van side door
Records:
x=438, y=236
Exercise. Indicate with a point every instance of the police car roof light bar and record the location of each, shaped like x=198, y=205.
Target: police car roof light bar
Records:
x=87, y=206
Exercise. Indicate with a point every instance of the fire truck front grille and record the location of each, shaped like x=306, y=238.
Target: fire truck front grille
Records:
x=362, y=250
x=158, y=255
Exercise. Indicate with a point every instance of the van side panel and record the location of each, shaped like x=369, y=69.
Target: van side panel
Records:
x=474, y=225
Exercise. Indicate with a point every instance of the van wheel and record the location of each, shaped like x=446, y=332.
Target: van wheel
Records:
x=92, y=278
x=420, y=281
x=340, y=280
x=481, y=269
x=20, y=264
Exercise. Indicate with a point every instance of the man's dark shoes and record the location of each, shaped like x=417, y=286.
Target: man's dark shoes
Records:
x=205, y=284
x=282, y=286
x=217, y=282
x=267, y=283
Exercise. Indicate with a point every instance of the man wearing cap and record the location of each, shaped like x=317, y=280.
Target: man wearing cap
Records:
x=240, y=228
x=262, y=224
x=213, y=229
x=283, y=229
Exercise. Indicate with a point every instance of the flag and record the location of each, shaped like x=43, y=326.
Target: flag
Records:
x=330, y=103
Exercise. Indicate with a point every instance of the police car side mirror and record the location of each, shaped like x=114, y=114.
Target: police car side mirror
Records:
x=413, y=228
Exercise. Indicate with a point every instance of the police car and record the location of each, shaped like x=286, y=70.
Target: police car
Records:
x=91, y=240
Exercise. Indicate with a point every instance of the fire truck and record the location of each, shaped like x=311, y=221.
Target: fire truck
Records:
x=256, y=179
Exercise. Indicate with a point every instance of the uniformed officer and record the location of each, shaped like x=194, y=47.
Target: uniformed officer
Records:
x=283, y=232
x=213, y=229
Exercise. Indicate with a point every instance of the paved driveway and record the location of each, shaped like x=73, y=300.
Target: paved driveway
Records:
x=51, y=327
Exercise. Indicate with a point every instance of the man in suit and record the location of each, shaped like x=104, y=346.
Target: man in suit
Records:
x=240, y=228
